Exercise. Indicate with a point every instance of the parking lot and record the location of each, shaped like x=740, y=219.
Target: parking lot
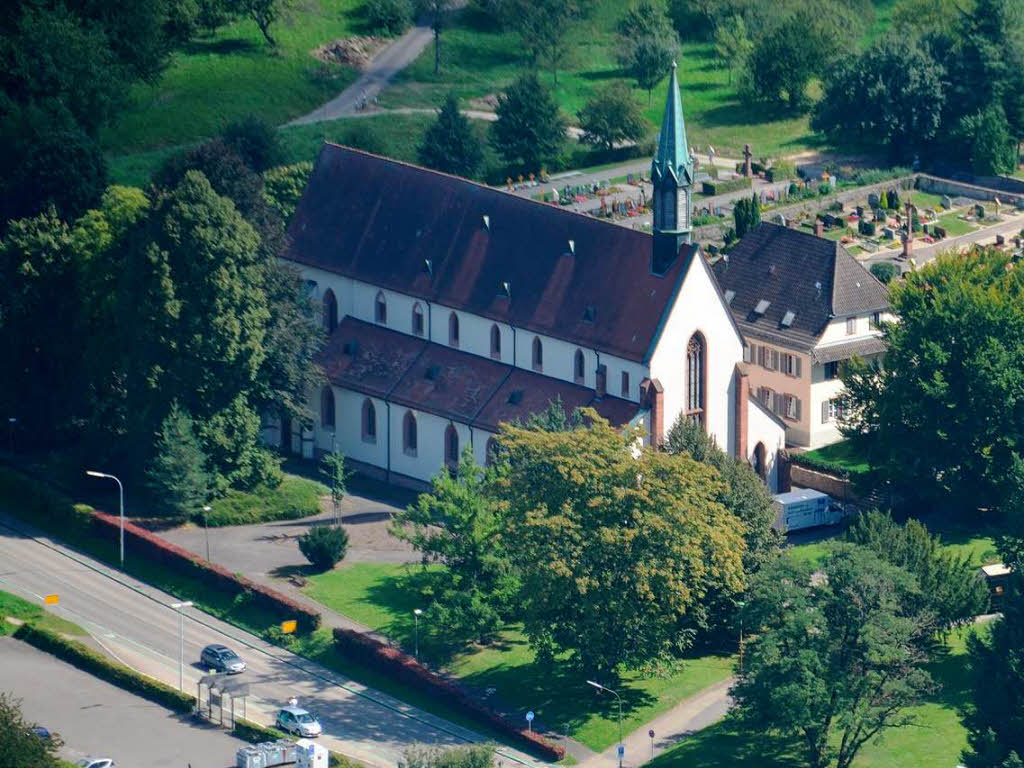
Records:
x=97, y=719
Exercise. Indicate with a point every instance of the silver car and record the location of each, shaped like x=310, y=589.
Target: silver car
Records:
x=221, y=659
x=298, y=721
x=95, y=762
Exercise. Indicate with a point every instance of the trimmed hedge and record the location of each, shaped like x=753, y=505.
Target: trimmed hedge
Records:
x=721, y=187
x=404, y=668
x=94, y=663
x=148, y=544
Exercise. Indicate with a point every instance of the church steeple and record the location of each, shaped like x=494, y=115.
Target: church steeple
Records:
x=672, y=176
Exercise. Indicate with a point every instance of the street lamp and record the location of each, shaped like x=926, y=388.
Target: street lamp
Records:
x=619, y=699
x=11, y=421
x=120, y=490
x=181, y=641
x=416, y=617
x=741, y=604
x=206, y=527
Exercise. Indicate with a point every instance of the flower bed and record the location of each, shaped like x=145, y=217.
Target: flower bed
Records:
x=404, y=668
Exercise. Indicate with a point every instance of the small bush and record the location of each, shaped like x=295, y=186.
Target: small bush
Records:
x=294, y=498
x=884, y=271
x=392, y=17
x=781, y=170
x=721, y=187
x=324, y=545
x=866, y=228
x=91, y=661
x=255, y=140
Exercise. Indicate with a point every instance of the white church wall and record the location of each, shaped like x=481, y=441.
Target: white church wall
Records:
x=430, y=433
x=698, y=307
x=762, y=428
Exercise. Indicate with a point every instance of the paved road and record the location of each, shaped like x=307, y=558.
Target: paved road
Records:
x=133, y=622
x=97, y=719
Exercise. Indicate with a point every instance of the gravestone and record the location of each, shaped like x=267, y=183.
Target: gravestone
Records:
x=940, y=232
x=873, y=200
x=1000, y=240
x=979, y=211
x=880, y=215
x=889, y=233
x=860, y=211
x=869, y=246
x=947, y=202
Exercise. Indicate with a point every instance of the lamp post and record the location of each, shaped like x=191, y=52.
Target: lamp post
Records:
x=206, y=528
x=11, y=421
x=741, y=605
x=416, y=617
x=120, y=492
x=181, y=641
x=619, y=700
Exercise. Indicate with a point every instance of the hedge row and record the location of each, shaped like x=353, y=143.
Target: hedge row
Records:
x=94, y=663
x=725, y=185
x=364, y=649
x=148, y=544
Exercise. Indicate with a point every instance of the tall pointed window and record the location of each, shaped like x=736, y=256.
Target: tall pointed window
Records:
x=451, y=447
x=495, y=342
x=369, y=422
x=696, y=379
x=578, y=371
x=453, y=330
x=380, y=309
x=409, y=436
x=327, y=408
x=538, y=354
x=417, y=319
x=330, y=311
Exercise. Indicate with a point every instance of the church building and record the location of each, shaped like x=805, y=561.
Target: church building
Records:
x=452, y=307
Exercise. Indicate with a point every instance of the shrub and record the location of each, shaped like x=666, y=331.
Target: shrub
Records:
x=884, y=271
x=391, y=17
x=294, y=498
x=255, y=140
x=41, y=505
x=404, y=668
x=780, y=170
x=94, y=663
x=472, y=756
x=324, y=545
x=866, y=228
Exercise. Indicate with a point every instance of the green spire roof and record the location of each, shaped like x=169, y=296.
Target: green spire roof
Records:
x=673, y=152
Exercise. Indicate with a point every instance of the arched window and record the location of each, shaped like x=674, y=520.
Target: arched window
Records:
x=451, y=447
x=409, y=434
x=417, y=319
x=761, y=461
x=495, y=342
x=453, y=330
x=538, y=354
x=330, y=311
x=369, y=421
x=327, y=408
x=577, y=367
x=696, y=379
x=380, y=309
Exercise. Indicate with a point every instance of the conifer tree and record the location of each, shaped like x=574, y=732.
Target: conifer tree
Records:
x=450, y=144
x=177, y=474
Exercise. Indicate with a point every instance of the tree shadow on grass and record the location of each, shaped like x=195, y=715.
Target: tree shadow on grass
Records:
x=735, y=113
x=223, y=47
x=726, y=745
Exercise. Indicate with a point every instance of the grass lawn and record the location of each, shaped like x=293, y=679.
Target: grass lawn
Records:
x=935, y=739
x=924, y=199
x=18, y=608
x=234, y=72
x=955, y=226
x=843, y=453
x=383, y=597
x=478, y=60
x=294, y=498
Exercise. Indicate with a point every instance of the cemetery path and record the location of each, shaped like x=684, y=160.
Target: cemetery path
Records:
x=922, y=254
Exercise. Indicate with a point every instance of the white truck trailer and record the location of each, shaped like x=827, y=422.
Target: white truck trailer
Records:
x=804, y=508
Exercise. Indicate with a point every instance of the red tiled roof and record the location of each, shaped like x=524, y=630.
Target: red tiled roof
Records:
x=448, y=382
x=379, y=221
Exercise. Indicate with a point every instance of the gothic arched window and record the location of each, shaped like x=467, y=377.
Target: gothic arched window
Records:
x=538, y=354
x=380, y=311
x=495, y=342
x=409, y=436
x=451, y=447
x=330, y=311
x=369, y=421
x=327, y=408
x=417, y=319
x=453, y=330
x=578, y=371
x=696, y=380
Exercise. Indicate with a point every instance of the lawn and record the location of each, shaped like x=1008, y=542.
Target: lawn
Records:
x=935, y=739
x=18, y=608
x=478, y=60
x=844, y=453
x=383, y=596
x=955, y=226
x=233, y=73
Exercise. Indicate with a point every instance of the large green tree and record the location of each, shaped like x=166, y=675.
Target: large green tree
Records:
x=177, y=474
x=544, y=27
x=615, y=544
x=611, y=116
x=530, y=131
x=943, y=417
x=987, y=136
x=19, y=746
x=457, y=525
x=837, y=660
x=647, y=44
x=733, y=45
x=904, y=87
x=450, y=143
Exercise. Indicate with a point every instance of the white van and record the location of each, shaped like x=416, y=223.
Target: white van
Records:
x=804, y=508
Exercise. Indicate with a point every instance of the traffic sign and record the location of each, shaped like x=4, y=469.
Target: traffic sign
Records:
x=51, y=599
x=651, y=733
x=621, y=750
x=529, y=716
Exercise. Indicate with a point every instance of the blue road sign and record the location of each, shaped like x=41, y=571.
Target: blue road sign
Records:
x=622, y=750
x=529, y=716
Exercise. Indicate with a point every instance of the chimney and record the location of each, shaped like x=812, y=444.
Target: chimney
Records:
x=742, y=410
x=819, y=228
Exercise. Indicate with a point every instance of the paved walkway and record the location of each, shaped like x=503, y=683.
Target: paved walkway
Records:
x=922, y=254
x=686, y=718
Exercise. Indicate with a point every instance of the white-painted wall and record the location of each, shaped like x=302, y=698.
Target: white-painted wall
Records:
x=835, y=331
x=762, y=428
x=698, y=307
